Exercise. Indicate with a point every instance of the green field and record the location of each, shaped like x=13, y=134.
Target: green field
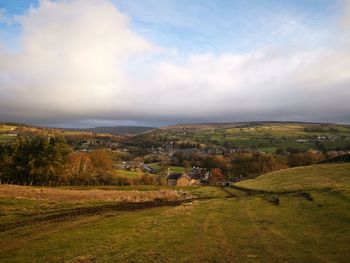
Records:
x=173, y=169
x=221, y=225
x=7, y=128
x=265, y=136
x=128, y=174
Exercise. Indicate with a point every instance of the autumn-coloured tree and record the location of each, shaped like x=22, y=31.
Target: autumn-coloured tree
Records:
x=307, y=158
x=254, y=164
x=80, y=169
x=187, y=165
x=217, y=161
x=102, y=163
x=217, y=177
x=101, y=160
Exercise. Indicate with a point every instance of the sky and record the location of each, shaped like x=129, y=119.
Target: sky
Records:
x=85, y=63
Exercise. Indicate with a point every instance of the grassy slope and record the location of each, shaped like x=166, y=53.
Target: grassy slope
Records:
x=220, y=229
x=334, y=176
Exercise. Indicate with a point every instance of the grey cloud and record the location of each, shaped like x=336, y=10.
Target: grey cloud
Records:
x=72, y=68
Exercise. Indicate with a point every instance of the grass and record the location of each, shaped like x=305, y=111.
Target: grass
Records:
x=92, y=195
x=173, y=169
x=7, y=128
x=321, y=176
x=19, y=209
x=126, y=173
x=267, y=136
x=244, y=228
x=5, y=139
x=268, y=149
x=219, y=230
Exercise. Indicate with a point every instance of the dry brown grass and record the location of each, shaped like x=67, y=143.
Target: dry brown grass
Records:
x=55, y=194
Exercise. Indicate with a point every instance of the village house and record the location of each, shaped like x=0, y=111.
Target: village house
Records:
x=172, y=179
x=178, y=179
x=195, y=177
x=184, y=180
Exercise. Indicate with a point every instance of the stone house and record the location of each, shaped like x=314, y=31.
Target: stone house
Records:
x=184, y=180
x=172, y=179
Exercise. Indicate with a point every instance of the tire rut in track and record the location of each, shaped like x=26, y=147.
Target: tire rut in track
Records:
x=95, y=210
x=230, y=194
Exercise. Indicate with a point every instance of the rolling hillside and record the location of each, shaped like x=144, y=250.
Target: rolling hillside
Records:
x=118, y=130
x=219, y=225
x=265, y=136
x=313, y=177
x=10, y=131
x=113, y=130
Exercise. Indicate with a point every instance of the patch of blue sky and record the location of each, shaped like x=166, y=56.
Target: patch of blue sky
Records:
x=10, y=31
x=231, y=26
x=17, y=7
x=208, y=26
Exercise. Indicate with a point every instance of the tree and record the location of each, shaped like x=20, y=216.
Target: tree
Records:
x=310, y=157
x=102, y=163
x=33, y=160
x=254, y=164
x=80, y=169
x=217, y=177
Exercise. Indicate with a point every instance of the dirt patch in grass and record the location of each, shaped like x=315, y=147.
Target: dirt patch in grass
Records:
x=69, y=214
x=54, y=194
x=229, y=194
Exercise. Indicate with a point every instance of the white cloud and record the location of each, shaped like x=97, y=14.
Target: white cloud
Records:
x=259, y=84
x=70, y=60
x=80, y=60
x=346, y=18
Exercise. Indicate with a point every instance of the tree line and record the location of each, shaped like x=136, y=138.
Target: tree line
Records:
x=33, y=160
x=49, y=160
x=246, y=164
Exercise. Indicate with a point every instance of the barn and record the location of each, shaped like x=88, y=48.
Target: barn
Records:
x=184, y=180
x=172, y=179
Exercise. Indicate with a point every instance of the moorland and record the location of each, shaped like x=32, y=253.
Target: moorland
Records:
x=237, y=192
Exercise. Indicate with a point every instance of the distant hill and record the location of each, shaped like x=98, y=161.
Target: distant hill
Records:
x=265, y=136
x=202, y=126
x=113, y=130
x=227, y=125
x=118, y=130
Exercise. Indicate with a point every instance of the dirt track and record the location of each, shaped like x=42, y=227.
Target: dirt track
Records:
x=88, y=211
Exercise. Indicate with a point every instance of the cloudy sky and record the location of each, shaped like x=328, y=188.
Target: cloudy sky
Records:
x=82, y=63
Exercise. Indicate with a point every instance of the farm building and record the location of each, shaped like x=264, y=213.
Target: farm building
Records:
x=177, y=179
x=172, y=179
x=184, y=180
